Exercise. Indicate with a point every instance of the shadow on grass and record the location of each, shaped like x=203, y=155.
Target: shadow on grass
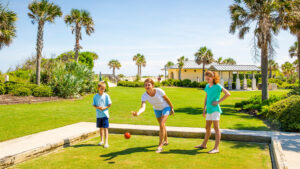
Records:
x=186, y=152
x=249, y=127
x=238, y=145
x=84, y=145
x=112, y=155
x=189, y=110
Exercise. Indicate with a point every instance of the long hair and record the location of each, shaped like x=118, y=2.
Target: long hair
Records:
x=214, y=75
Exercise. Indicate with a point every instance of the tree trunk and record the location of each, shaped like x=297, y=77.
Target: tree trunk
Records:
x=114, y=74
x=179, y=74
x=77, y=46
x=141, y=71
x=298, y=53
x=264, y=71
x=203, y=69
x=270, y=73
x=39, y=47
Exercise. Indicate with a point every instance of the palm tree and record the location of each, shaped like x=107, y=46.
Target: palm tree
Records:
x=288, y=69
x=204, y=56
x=219, y=60
x=169, y=64
x=41, y=12
x=180, y=63
x=296, y=63
x=229, y=61
x=140, y=61
x=263, y=13
x=76, y=20
x=272, y=66
x=292, y=22
x=114, y=64
x=7, y=26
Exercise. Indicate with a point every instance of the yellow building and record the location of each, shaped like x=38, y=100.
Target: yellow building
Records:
x=191, y=70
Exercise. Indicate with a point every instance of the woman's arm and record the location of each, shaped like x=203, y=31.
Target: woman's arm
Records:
x=204, y=108
x=169, y=103
x=227, y=94
x=141, y=110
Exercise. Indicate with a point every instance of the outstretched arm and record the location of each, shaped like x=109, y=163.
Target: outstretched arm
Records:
x=170, y=104
x=141, y=110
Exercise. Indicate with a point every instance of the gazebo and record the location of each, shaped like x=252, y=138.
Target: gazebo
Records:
x=238, y=69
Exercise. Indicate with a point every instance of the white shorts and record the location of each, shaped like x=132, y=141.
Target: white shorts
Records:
x=213, y=116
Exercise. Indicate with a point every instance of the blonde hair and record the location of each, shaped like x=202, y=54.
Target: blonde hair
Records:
x=102, y=84
x=214, y=75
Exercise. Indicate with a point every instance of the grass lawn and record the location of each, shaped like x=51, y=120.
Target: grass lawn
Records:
x=24, y=119
x=138, y=152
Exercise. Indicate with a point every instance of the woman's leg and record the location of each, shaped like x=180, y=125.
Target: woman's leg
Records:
x=166, y=135
x=162, y=130
x=207, y=134
x=217, y=134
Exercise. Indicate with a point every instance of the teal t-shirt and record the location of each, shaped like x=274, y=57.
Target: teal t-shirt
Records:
x=103, y=101
x=213, y=94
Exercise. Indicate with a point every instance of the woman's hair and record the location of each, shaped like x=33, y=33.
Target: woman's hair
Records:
x=214, y=75
x=149, y=81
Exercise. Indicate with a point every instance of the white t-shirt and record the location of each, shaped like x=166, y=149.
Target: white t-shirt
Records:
x=157, y=101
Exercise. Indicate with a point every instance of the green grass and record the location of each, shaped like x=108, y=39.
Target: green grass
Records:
x=138, y=152
x=24, y=119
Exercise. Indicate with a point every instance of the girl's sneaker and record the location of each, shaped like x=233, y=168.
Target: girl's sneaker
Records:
x=100, y=143
x=106, y=146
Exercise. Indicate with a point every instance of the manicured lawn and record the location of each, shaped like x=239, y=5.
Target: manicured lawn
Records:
x=24, y=119
x=138, y=152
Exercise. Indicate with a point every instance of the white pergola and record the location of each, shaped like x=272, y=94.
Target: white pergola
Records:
x=237, y=69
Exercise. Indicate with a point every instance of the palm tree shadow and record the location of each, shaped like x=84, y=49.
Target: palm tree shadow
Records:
x=185, y=152
x=126, y=151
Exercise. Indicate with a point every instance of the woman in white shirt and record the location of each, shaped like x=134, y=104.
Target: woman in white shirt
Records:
x=162, y=107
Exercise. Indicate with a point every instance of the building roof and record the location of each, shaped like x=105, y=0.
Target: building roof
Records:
x=191, y=64
x=234, y=68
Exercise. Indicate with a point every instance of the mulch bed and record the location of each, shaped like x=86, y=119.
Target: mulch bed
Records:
x=10, y=99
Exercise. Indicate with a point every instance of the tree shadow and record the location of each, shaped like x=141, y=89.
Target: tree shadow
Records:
x=113, y=155
x=84, y=145
x=246, y=127
x=184, y=152
x=238, y=145
x=189, y=110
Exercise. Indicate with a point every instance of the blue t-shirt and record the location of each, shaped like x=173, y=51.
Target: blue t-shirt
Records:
x=103, y=101
x=213, y=94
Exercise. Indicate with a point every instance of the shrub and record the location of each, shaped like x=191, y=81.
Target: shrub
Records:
x=2, y=88
x=71, y=79
x=22, y=91
x=255, y=104
x=107, y=86
x=130, y=84
x=10, y=86
x=294, y=91
x=202, y=85
x=285, y=114
x=42, y=91
x=186, y=83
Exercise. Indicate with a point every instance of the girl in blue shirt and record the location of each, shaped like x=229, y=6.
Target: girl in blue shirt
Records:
x=212, y=109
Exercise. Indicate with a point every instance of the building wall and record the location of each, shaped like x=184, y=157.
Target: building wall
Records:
x=193, y=74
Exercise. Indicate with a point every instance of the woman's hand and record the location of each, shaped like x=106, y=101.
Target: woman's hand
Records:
x=101, y=108
x=172, y=112
x=204, y=114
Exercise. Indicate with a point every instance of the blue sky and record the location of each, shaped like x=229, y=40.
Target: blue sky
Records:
x=162, y=30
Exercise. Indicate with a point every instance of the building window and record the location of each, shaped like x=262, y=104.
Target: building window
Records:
x=195, y=70
x=184, y=70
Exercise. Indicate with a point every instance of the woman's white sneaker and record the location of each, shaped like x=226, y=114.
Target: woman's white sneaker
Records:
x=106, y=146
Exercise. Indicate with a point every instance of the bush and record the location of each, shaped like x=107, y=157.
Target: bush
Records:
x=10, y=86
x=42, y=91
x=186, y=83
x=107, y=86
x=130, y=84
x=22, y=91
x=2, y=88
x=294, y=91
x=285, y=114
x=255, y=104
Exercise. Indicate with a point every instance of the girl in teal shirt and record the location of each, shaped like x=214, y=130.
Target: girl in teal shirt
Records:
x=212, y=109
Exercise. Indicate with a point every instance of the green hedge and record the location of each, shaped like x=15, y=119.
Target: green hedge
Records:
x=183, y=83
x=255, y=104
x=2, y=88
x=285, y=114
x=135, y=84
x=22, y=91
x=42, y=91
